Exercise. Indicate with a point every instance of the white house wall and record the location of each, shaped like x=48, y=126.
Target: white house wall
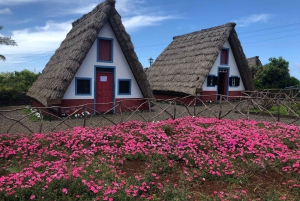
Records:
x=122, y=69
x=233, y=71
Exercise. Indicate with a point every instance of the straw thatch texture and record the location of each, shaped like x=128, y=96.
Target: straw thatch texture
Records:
x=184, y=65
x=56, y=77
x=254, y=61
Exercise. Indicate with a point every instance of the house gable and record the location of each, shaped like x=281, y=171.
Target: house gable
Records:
x=52, y=84
x=184, y=65
x=91, y=62
x=233, y=71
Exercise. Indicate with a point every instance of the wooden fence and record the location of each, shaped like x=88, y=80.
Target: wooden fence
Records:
x=277, y=106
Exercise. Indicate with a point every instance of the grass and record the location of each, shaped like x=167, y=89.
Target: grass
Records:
x=183, y=159
x=274, y=110
x=32, y=116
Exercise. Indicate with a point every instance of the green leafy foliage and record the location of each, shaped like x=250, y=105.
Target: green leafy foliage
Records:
x=274, y=75
x=6, y=41
x=17, y=81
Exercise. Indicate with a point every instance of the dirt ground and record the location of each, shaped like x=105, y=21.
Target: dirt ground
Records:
x=13, y=120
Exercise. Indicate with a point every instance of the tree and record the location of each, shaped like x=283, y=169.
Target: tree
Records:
x=274, y=75
x=6, y=41
x=254, y=70
x=17, y=81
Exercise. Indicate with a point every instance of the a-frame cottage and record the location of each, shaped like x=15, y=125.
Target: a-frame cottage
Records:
x=206, y=62
x=254, y=64
x=96, y=63
x=254, y=61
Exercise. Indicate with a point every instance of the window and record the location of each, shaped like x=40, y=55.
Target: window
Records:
x=124, y=87
x=234, y=81
x=212, y=81
x=105, y=50
x=224, y=56
x=83, y=86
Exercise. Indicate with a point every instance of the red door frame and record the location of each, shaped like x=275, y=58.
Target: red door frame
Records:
x=105, y=70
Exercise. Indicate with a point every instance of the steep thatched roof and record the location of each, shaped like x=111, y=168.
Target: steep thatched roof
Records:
x=56, y=77
x=254, y=61
x=184, y=65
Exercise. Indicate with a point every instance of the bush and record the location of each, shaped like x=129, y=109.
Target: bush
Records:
x=13, y=97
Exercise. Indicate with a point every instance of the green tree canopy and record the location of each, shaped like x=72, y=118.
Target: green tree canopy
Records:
x=17, y=81
x=275, y=75
x=6, y=41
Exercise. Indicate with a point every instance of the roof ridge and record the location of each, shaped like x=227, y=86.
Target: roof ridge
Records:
x=229, y=24
x=95, y=10
x=255, y=57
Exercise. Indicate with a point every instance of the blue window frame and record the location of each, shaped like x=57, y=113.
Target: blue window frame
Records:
x=83, y=86
x=224, y=56
x=234, y=81
x=124, y=86
x=105, y=50
x=212, y=81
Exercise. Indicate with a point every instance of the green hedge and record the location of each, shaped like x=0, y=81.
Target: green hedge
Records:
x=12, y=97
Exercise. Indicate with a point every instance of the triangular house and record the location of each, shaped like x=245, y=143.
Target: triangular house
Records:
x=96, y=63
x=254, y=64
x=206, y=62
x=254, y=61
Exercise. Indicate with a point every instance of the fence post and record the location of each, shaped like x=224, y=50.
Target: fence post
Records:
x=84, y=117
x=174, y=109
x=278, y=110
x=120, y=109
x=49, y=111
x=41, y=122
x=220, y=112
x=149, y=106
x=248, y=106
x=195, y=101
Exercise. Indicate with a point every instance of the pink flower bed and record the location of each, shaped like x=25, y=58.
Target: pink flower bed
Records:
x=86, y=163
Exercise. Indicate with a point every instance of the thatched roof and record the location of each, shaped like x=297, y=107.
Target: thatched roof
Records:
x=56, y=77
x=254, y=61
x=184, y=65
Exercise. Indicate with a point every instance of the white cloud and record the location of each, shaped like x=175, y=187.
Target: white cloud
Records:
x=129, y=6
x=297, y=64
x=83, y=9
x=36, y=41
x=42, y=41
x=14, y=2
x=245, y=21
x=5, y=11
x=132, y=23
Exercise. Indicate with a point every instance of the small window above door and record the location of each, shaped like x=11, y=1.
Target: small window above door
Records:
x=105, y=50
x=224, y=56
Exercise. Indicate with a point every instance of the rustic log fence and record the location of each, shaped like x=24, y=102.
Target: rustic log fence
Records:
x=256, y=105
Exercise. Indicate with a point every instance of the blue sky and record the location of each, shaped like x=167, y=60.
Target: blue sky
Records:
x=266, y=28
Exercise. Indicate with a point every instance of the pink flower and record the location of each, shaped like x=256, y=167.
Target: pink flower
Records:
x=283, y=198
x=65, y=191
x=32, y=197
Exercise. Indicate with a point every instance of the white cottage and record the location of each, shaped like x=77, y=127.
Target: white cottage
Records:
x=96, y=63
x=209, y=62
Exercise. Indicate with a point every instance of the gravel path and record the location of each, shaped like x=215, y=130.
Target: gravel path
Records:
x=8, y=125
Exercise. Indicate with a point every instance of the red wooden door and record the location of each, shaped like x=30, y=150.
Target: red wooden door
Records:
x=104, y=91
x=223, y=83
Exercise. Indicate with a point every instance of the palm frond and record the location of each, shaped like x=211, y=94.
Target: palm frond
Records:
x=7, y=41
x=2, y=57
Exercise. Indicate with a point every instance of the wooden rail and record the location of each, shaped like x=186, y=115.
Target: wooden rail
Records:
x=251, y=105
